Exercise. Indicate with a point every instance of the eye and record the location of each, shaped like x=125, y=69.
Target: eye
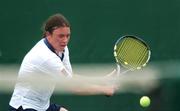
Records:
x=61, y=36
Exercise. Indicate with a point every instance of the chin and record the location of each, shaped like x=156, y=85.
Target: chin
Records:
x=62, y=49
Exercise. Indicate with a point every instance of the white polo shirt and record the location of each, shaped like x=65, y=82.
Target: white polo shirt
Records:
x=39, y=60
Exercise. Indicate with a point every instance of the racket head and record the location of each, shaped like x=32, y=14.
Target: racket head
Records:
x=131, y=52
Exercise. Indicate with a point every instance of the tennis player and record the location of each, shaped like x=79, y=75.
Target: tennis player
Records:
x=50, y=57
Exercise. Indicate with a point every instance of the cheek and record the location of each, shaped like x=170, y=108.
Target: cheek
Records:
x=68, y=40
x=58, y=39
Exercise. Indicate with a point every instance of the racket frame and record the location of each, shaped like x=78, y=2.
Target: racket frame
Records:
x=123, y=63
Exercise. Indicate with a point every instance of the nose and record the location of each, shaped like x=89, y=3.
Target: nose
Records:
x=65, y=39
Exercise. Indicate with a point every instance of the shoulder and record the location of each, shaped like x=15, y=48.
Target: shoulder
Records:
x=39, y=53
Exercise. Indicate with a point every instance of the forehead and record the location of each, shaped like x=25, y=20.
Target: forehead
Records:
x=62, y=30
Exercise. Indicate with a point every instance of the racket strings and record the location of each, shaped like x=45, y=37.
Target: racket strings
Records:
x=123, y=48
x=142, y=52
x=144, y=57
x=132, y=52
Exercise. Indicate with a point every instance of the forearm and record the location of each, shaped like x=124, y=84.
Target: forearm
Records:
x=94, y=90
x=87, y=85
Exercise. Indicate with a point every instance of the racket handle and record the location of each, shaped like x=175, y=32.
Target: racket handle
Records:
x=118, y=69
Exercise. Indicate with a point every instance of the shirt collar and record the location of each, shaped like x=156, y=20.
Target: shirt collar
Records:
x=52, y=48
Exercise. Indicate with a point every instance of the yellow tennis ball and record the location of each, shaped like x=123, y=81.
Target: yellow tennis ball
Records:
x=145, y=101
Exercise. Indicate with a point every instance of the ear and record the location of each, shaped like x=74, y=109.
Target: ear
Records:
x=47, y=33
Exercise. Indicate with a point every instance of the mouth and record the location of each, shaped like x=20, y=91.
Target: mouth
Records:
x=63, y=45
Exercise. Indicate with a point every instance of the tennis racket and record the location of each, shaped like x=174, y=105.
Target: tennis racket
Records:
x=132, y=53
